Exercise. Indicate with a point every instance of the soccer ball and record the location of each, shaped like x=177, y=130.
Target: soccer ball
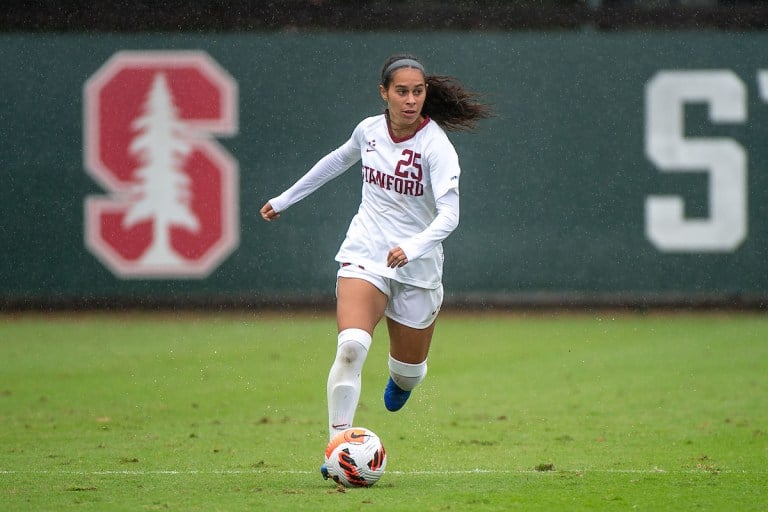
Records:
x=355, y=458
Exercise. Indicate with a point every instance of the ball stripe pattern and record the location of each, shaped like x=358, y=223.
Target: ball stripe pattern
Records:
x=355, y=458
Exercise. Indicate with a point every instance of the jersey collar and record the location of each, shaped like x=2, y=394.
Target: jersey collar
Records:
x=403, y=139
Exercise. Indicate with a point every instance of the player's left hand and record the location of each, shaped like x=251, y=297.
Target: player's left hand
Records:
x=396, y=258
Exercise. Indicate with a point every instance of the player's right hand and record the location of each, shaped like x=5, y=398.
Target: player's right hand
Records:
x=268, y=213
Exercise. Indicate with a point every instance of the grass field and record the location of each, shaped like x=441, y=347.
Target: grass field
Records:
x=206, y=412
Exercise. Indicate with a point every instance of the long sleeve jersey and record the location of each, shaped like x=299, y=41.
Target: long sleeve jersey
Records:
x=410, y=198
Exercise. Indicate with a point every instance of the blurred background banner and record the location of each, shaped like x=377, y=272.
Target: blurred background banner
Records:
x=623, y=167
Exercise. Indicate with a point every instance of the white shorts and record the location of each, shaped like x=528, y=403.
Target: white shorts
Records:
x=408, y=305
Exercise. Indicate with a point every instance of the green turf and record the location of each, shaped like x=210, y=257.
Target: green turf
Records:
x=523, y=412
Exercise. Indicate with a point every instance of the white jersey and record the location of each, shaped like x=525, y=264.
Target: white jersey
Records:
x=403, y=179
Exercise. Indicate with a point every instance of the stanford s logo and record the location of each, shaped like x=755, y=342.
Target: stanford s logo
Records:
x=171, y=208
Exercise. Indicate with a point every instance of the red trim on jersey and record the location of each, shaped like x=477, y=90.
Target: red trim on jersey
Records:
x=403, y=139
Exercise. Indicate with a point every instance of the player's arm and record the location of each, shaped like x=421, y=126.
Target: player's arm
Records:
x=445, y=222
x=444, y=171
x=330, y=166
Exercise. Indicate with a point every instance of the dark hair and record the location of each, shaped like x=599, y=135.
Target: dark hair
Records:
x=448, y=103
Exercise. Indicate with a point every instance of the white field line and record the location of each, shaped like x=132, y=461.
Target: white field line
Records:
x=653, y=471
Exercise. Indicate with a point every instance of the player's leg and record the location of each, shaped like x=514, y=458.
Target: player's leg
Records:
x=359, y=307
x=411, y=318
x=408, y=350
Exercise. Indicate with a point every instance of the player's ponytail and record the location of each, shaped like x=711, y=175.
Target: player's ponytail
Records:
x=448, y=102
x=451, y=105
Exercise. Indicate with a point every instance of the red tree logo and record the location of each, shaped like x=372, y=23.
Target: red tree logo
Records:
x=172, y=204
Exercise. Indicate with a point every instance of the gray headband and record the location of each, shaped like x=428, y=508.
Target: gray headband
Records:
x=402, y=63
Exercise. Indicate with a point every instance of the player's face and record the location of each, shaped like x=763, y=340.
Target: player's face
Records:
x=405, y=97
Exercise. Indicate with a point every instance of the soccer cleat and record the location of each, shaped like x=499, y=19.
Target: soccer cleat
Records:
x=394, y=397
x=324, y=472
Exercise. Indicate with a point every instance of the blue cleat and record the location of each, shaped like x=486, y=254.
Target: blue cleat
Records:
x=394, y=397
x=324, y=472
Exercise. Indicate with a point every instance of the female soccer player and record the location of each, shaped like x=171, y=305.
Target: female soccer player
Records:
x=391, y=261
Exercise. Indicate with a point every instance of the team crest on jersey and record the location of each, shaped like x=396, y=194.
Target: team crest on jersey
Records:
x=170, y=207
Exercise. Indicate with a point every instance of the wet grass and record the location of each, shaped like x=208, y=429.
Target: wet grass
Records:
x=520, y=412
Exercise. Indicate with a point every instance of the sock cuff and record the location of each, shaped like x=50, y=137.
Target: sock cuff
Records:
x=407, y=369
x=358, y=335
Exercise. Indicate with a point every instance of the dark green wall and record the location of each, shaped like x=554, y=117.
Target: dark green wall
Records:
x=553, y=189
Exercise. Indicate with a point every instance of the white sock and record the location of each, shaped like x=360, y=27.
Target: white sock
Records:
x=344, y=379
x=406, y=375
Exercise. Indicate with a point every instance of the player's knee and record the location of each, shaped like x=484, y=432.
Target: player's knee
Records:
x=349, y=352
x=352, y=347
x=407, y=375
